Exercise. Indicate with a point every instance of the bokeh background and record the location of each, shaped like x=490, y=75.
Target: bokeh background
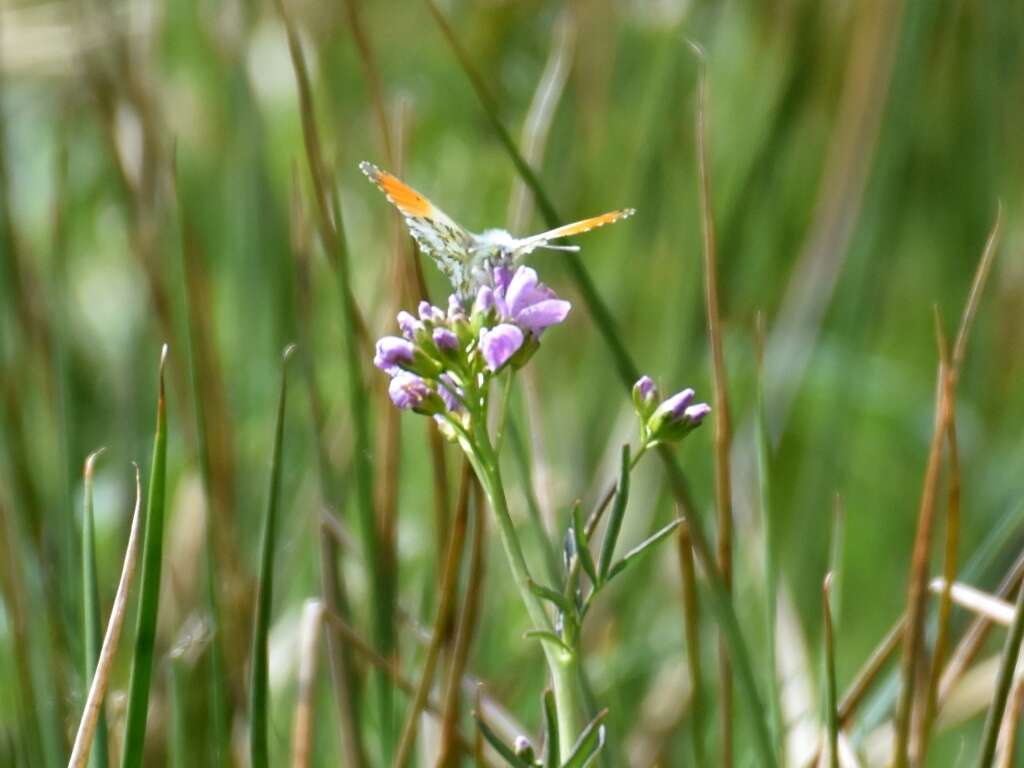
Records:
x=858, y=152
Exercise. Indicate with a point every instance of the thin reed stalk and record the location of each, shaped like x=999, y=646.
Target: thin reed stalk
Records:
x=445, y=610
x=720, y=412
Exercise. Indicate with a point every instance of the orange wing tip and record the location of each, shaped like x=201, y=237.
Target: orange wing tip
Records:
x=405, y=198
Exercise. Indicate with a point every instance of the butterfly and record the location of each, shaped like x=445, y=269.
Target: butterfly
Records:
x=468, y=260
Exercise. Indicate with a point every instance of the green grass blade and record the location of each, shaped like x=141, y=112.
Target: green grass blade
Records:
x=149, y=597
x=92, y=624
x=1007, y=665
x=503, y=749
x=764, y=488
x=611, y=535
x=258, y=692
x=831, y=713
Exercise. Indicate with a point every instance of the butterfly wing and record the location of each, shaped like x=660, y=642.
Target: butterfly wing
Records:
x=436, y=234
x=528, y=244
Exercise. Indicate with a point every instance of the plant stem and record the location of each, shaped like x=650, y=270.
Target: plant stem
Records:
x=563, y=665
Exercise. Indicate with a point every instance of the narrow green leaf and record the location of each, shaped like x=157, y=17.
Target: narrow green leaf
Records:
x=551, y=741
x=589, y=744
x=258, y=692
x=92, y=623
x=149, y=595
x=547, y=637
x=503, y=749
x=611, y=535
x=831, y=715
x=557, y=598
x=642, y=547
x=1007, y=665
x=582, y=547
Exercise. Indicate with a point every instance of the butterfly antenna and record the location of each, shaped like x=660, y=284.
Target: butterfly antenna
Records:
x=568, y=248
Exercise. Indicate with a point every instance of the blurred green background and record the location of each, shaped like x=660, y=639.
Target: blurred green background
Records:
x=857, y=155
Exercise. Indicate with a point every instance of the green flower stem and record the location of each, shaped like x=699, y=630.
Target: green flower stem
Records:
x=563, y=665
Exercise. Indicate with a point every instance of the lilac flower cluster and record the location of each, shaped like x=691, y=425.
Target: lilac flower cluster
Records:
x=441, y=362
x=668, y=420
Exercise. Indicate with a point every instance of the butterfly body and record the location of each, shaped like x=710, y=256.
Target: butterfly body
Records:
x=468, y=260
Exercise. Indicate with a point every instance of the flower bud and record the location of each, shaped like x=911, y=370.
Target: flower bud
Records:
x=675, y=418
x=645, y=396
x=409, y=392
x=408, y=324
x=392, y=353
x=524, y=749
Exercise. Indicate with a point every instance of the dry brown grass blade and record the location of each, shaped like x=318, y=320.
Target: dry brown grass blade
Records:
x=723, y=428
x=327, y=226
x=917, y=593
x=302, y=722
x=98, y=687
x=948, y=376
x=442, y=622
x=464, y=634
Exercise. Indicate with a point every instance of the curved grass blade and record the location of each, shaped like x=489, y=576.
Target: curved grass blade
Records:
x=258, y=692
x=92, y=624
x=149, y=597
x=548, y=637
x=611, y=535
x=98, y=687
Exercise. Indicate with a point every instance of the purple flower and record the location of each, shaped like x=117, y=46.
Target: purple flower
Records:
x=498, y=344
x=408, y=324
x=445, y=339
x=429, y=313
x=529, y=303
x=392, y=351
x=407, y=390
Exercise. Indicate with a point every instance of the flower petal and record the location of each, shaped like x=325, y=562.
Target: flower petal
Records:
x=543, y=314
x=498, y=344
x=522, y=291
